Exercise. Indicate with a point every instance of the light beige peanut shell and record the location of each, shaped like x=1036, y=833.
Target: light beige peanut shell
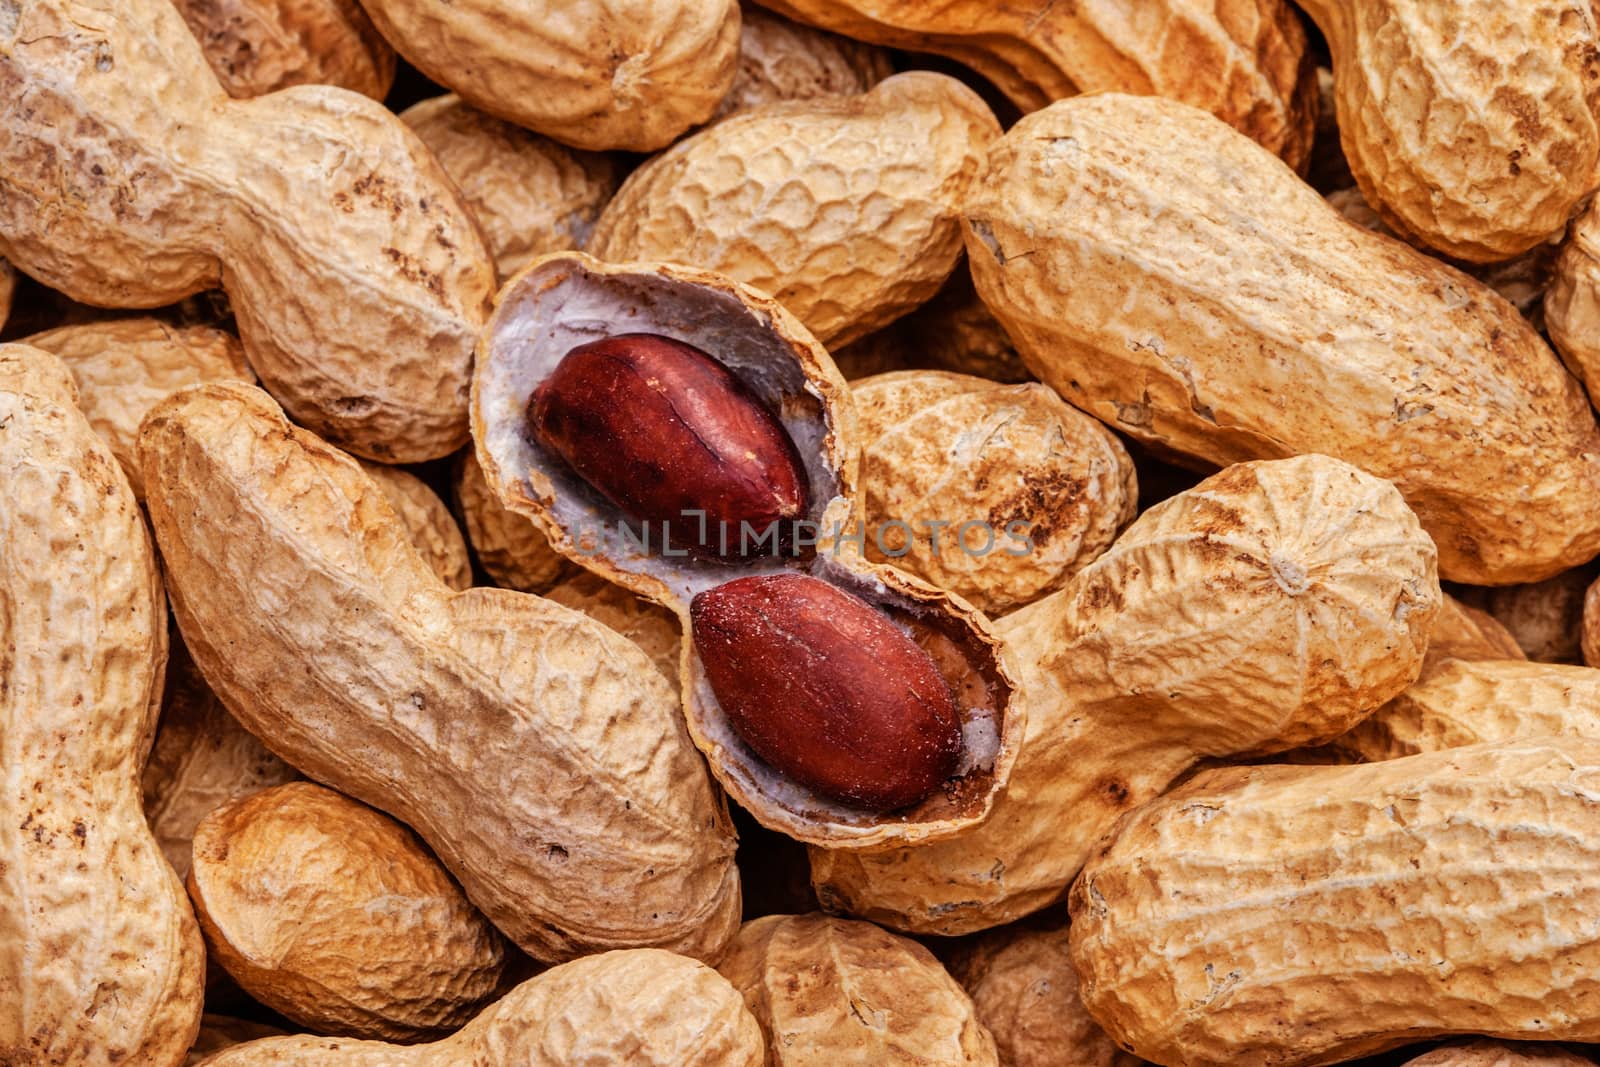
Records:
x=1495, y=1054
x=1545, y=618
x=1589, y=638
x=530, y=195
x=357, y=277
x=1179, y=283
x=843, y=208
x=1572, y=302
x=1046, y=487
x=124, y=366
x=1468, y=702
x=337, y=917
x=510, y=547
x=325, y=632
x=831, y=992
x=218, y=1032
x=100, y=957
x=202, y=758
x=1025, y=992
x=784, y=60
x=642, y=1007
x=594, y=74
x=258, y=46
x=1470, y=124
x=1273, y=605
x=1246, y=62
x=1310, y=915
x=1463, y=632
x=428, y=522
x=650, y=626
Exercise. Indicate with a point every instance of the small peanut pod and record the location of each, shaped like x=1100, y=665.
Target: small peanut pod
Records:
x=1572, y=303
x=1273, y=605
x=99, y=952
x=431, y=527
x=844, y=208
x=1179, y=283
x=336, y=917
x=1310, y=915
x=279, y=550
x=257, y=46
x=510, y=547
x=642, y=1007
x=783, y=60
x=1494, y=1054
x=123, y=367
x=595, y=74
x=831, y=991
x=358, y=279
x=1468, y=123
x=529, y=194
x=1247, y=62
x=1030, y=489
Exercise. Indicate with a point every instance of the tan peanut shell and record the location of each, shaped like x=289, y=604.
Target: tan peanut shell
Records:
x=1273, y=605
x=1246, y=62
x=641, y=1007
x=1495, y=1054
x=218, y=1032
x=529, y=194
x=783, y=60
x=326, y=634
x=832, y=991
x=100, y=958
x=1468, y=123
x=428, y=522
x=510, y=547
x=594, y=74
x=258, y=46
x=1045, y=487
x=357, y=277
x=843, y=208
x=1310, y=915
x=122, y=367
x=335, y=916
x=1545, y=618
x=1462, y=632
x=650, y=626
x=1572, y=303
x=202, y=758
x=566, y=299
x=1025, y=992
x=1179, y=283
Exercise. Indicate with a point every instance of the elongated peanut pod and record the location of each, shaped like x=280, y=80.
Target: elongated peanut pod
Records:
x=100, y=957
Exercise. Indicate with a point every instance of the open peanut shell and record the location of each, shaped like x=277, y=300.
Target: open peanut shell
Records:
x=567, y=299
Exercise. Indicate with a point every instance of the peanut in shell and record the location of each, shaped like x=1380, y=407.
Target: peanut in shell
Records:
x=259, y=46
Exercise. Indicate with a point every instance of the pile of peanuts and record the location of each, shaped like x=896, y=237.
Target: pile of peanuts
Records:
x=1171, y=631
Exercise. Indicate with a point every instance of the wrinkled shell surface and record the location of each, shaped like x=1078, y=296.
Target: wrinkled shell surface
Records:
x=258, y=46
x=950, y=448
x=1245, y=62
x=641, y=1007
x=530, y=195
x=594, y=74
x=1572, y=303
x=510, y=547
x=335, y=916
x=831, y=991
x=783, y=60
x=254, y=516
x=1271, y=606
x=1494, y=1054
x=1177, y=282
x=125, y=366
x=428, y=522
x=1469, y=123
x=100, y=958
x=358, y=279
x=1310, y=915
x=844, y=209
x=1462, y=632
x=652, y=627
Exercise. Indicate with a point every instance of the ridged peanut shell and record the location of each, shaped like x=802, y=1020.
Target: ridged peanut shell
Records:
x=594, y=74
x=529, y=194
x=1572, y=303
x=843, y=208
x=569, y=803
x=131, y=179
x=337, y=917
x=510, y=547
x=1310, y=915
x=1495, y=1054
x=1468, y=123
x=1246, y=62
x=1048, y=487
x=1274, y=605
x=783, y=60
x=650, y=626
x=1179, y=283
x=641, y=1007
x=832, y=991
x=123, y=367
x=428, y=522
x=100, y=958
x=258, y=46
